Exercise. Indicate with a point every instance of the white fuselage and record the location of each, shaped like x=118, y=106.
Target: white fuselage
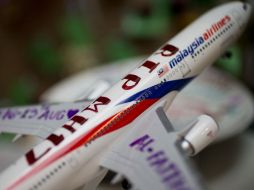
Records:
x=70, y=157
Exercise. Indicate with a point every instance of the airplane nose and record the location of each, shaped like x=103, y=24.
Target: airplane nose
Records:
x=247, y=9
x=246, y=6
x=242, y=14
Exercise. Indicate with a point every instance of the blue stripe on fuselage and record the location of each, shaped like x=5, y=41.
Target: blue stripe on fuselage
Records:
x=159, y=90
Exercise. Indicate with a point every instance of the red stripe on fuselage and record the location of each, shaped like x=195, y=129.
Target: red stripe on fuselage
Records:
x=113, y=123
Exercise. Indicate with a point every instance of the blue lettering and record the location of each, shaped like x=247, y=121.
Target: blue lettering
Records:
x=179, y=58
x=187, y=51
x=173, y=63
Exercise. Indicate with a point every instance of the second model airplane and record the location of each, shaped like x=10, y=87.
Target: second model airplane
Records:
x=125, y=129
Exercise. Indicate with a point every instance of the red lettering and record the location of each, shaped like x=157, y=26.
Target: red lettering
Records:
x=168, y=50
x=220, y=24
x=223, y=21
x=30, y=156
x=130, y=78
x=205, y=36
x=76, y=119
x=228, y=18
x=102, y=101
x=55, y=139
x=211, y=31
x=150, y=65
x=214, y=28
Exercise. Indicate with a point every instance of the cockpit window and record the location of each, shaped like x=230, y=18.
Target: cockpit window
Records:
x=245, y=6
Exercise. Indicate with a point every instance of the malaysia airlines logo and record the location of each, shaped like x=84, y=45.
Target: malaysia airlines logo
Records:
x=189, y=50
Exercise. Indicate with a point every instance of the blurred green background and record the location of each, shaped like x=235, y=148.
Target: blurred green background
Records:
x=42, y=42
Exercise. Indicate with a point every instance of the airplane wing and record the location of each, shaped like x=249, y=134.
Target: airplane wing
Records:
x=151, y=158
x=37, y=120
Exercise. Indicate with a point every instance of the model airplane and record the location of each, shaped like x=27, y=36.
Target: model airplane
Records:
x=124, y=129
x=223, y=96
